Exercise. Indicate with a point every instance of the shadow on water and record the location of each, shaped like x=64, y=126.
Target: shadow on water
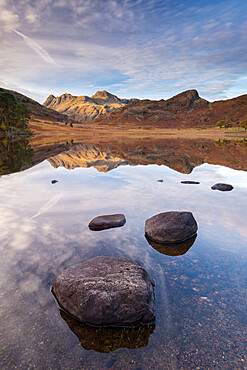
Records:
x=173, y=249
x=108, y=339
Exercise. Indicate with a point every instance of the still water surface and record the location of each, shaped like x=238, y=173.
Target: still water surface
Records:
x=200, y=295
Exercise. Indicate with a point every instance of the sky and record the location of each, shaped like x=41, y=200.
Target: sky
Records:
x=132, y=48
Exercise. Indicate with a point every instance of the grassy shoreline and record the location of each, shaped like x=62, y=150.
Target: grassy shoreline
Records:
x=55, y=129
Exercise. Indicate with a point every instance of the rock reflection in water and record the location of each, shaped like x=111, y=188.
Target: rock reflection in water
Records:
x=108, y=339
x=173, y=249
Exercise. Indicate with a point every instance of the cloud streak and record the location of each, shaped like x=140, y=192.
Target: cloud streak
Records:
x=36, y=47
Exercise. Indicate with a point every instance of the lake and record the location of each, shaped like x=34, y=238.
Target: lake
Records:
x=200, y=301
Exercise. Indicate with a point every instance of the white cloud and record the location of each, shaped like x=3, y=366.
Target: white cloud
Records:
x=36, y=47
x=8, y=20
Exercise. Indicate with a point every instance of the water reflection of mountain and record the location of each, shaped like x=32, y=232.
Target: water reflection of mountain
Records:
x=87, y=156
x=181, y=155
x=109, y=339
x=107, y=153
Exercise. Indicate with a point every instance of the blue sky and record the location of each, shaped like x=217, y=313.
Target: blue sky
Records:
x=131, y=48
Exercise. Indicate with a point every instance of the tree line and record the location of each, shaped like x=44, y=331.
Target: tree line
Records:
x=14, y=116
x=226, y=124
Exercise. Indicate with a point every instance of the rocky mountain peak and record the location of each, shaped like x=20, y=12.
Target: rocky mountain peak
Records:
x=103, y=95
x=49, y=100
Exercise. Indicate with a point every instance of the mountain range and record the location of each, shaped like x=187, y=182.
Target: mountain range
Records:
x=186, y=109
x=85, y=108
x=104, y=110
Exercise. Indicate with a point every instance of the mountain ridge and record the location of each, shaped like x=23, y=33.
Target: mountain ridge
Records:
x=84, y=108
x=183, y=110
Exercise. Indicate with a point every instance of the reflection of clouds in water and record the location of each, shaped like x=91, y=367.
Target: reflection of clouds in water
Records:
x=16, y=230
x=47, y=206
x=82, y=194
x=60, y=237
x=30, y=284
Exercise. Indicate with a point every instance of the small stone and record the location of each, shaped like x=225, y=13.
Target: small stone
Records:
x=222, y=187
x=160, y=180
x=107, y=222
x=107, y=291
x=170, y=227
x=190, y=182
x=54, y=181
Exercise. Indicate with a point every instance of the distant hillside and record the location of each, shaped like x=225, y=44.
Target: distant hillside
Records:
x=186, y=109
x=38, y=111
x=85, y=108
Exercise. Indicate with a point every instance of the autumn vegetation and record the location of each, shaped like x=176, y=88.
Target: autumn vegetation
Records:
x=14, y=116
x=225, y=124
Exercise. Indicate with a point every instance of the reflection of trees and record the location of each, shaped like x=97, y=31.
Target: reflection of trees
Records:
x=14, y=155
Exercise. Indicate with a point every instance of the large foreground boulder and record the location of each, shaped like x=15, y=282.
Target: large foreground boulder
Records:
x=107, y=291
x=222, y=187
x=170, y=227
x=107, y=222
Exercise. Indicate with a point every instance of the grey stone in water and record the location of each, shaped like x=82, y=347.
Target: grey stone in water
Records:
x=107, y=222
x=107, y=291
x=222, y=187
x=190, y=182
x=170, y=227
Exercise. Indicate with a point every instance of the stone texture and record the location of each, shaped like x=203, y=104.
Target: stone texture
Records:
x=107, y=222
x=107, y=291
x=222, y=187
x=170, y=227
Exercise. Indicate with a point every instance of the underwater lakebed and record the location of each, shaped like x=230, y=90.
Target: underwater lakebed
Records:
x=200, y=293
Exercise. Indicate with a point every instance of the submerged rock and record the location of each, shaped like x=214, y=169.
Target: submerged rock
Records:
x=107, y=222
x=222, y=187
x=109, y=339
x=190, y=182
x=170, y=227
x=107, y=291
x=173, y=249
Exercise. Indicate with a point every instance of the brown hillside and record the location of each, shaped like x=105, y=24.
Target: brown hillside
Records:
x=183, y=110
x=38, y=111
